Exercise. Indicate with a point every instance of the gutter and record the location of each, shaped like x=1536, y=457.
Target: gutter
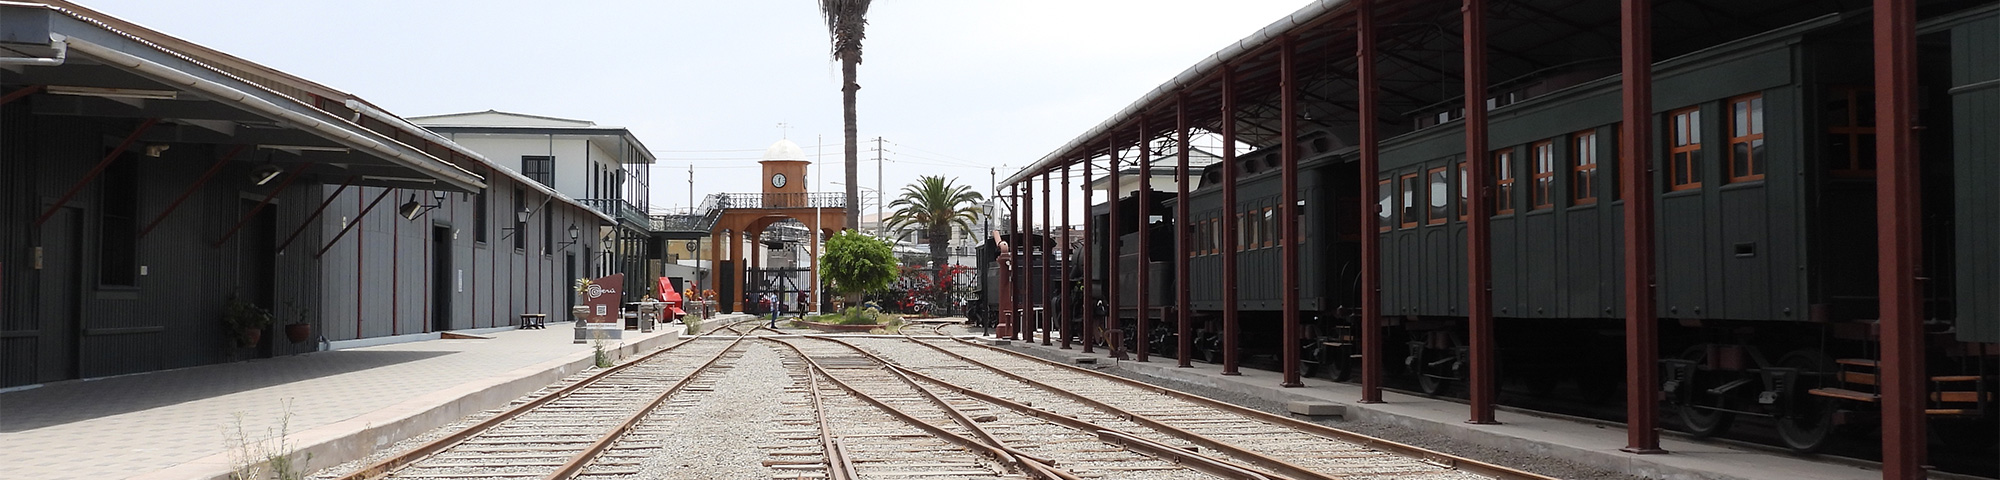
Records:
x=364, y=109
x=1187, y=78
x=57, y=40
x=219, y=91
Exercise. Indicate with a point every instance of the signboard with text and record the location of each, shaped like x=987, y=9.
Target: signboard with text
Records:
x=603, y=298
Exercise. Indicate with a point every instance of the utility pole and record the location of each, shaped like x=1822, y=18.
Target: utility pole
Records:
x=880, y=229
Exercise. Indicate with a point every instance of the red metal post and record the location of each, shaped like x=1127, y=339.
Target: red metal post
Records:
x=1371, y=242
x=1030, y=292
x=1183, y=308
x=357, y=221
x=1288, y=212
x=97, y=170
x=290, y=177
x=1048, y=255
x=1022, y=300
x=1068, y=258
x=1230, y=222
x=1114, y=341
x=1089, y=269
x=176, y=204
x=1479, y=237
x=1642, y=324
x=1143, y=281
x=308, y=222
x=1899, y=237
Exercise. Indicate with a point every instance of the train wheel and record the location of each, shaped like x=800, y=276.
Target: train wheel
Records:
x=1435, y=379
x=1702, y=422
x=1808, y=426
x=1339, y=364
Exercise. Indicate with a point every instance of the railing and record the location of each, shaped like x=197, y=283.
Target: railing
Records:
x=620, y=209
x=784, y=200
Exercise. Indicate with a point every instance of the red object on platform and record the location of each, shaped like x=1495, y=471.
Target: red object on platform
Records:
x=672, y=297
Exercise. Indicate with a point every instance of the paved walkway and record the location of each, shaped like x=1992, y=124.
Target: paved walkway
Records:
x=1585, y=443
x=173, y=424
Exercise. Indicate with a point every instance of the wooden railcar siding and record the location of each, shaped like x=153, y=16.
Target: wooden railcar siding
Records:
x=1975, y=111
x=1566, y=261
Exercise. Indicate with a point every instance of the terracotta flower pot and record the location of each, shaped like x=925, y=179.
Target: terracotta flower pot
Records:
x=298, y=332
x=249, y=337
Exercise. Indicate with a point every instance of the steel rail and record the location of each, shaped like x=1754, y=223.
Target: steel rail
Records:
x=1000, y=452
x=576, y=462
x=837, y=466
x=1438, y=458
x=1209, y=465
x=389, y=465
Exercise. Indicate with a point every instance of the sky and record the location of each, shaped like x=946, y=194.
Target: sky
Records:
x=957, y=88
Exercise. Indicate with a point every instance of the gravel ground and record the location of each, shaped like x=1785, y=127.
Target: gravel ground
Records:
x=725, y=434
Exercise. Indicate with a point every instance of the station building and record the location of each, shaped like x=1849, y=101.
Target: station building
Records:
x=147, y=184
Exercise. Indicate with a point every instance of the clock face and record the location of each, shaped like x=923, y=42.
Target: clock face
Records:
x=778, y=180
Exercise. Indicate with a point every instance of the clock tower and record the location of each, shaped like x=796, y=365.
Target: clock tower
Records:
x=784, y=168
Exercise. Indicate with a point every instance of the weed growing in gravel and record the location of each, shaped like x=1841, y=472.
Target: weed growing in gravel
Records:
x=603, y=361
x=272, y=456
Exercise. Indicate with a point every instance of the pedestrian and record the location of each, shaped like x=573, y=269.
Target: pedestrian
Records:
x=775, y=306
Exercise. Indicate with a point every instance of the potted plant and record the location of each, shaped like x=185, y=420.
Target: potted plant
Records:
x=244, y=322
x=298, y=329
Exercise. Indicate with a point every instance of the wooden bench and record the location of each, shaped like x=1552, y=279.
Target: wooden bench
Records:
x=536, y=321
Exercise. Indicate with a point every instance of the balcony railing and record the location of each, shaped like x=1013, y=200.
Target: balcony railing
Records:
x=620, y=209
x=783, y=200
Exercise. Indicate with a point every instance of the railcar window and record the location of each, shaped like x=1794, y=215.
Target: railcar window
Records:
x=1246, y=234
x=1545, y=175
x=1384, y=206
x=1410, y=205
x=1503, y=180
x=1746, y=138
x=1849, y=114
x=1215, y=236
x=1583, y=176
x=1440, y=196
x=1464, y=190
x=1684, y=165
x=1270, y=224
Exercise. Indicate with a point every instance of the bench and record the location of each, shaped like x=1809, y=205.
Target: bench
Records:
x=536, y=321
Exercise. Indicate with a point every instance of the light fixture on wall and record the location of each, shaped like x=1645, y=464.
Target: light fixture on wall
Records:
x=520, y=219
x=411, y=209
x=263, y=174
x=573, y=235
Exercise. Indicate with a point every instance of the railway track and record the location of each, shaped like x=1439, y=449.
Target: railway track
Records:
x=558, y=434
x=1278, y=445
x=1004, y=432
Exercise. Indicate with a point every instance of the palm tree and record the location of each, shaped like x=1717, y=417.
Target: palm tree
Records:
x=938, y=207
x=846, y=21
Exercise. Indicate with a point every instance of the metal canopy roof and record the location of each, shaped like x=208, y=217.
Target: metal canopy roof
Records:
x=1532, y=44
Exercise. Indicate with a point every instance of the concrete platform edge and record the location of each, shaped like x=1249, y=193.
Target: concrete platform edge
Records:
x=1610, y=458
x=363, y=435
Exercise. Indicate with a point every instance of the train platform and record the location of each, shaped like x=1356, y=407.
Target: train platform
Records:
x=1590, y=444
x=337, y=405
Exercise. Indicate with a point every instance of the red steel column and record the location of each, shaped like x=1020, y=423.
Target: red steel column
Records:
x=1184, y=328
x=1047, y=319
x=1479, y=251
x=1288, y=212
x=1143, y=281
x=1642, y=324
x=1089, y=249
x=1030, y=292
x=1371, y=242
x=1024, y=302
x=1068, y=258
x=1899, y=238
x=1230, y=222
x=1115, y=346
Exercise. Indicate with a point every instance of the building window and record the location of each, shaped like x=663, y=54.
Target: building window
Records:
x=548, y=233
x=1583, y=173
x=1503, y=182
x=1544, y=194
x=1746, y=138
x=118, y=235
x=1440, y=196
x=513, y=217
x=1464, y=190
x=479, y=216
x=1385, y=206
x=1684, y=160
x=1411, y=212
x=540, y=168
x=1849, y=114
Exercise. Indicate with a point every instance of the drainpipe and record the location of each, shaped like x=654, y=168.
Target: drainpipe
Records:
x=56, y=40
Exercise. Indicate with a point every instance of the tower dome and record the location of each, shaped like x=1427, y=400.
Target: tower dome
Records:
x=785, y=151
